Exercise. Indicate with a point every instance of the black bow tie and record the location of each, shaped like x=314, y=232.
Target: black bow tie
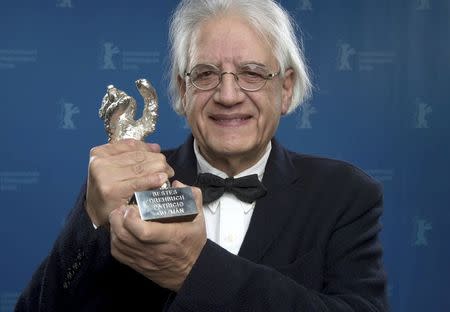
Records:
x=247, y=188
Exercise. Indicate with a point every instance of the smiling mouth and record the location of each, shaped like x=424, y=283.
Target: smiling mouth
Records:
x=230, y=121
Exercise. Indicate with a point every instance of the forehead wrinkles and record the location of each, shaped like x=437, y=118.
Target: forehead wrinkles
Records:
x=204, y=54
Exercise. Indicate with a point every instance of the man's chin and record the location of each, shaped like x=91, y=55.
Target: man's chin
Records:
x=231, y=149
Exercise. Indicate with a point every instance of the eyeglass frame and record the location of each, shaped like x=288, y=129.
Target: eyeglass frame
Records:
x=269, y=76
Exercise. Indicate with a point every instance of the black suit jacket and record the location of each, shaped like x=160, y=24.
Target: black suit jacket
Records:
x=312, y=245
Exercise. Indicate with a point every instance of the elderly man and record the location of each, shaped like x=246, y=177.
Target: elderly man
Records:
x=305, y=239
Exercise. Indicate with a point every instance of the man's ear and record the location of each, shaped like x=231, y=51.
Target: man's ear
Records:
x=182, y=92
x=287, y=90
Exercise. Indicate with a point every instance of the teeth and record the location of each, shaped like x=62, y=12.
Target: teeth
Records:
x=225, y=119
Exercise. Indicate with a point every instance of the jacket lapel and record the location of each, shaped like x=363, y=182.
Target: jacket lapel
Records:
x=184, y=163
x=273, y=210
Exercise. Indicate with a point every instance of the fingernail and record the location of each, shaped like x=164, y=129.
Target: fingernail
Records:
x=177, y=183
x=127, y=210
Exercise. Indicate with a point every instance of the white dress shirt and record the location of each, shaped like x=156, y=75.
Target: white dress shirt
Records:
x=227, y=218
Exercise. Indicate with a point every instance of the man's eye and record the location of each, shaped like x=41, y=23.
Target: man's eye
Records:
x=205, y=74
x=251, y=75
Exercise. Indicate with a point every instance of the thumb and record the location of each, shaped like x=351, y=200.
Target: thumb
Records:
x=196, y=192
x=178, y=184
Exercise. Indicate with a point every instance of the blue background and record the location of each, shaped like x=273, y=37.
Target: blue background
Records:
x=381, y=71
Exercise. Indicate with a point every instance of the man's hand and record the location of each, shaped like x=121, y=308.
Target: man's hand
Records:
x=118, y=170
x=162, y=252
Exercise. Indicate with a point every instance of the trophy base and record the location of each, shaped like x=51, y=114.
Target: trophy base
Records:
x=167, y=205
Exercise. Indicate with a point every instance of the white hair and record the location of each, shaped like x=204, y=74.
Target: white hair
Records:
x=267, y=17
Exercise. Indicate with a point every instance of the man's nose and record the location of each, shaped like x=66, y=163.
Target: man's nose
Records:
x=228, y=92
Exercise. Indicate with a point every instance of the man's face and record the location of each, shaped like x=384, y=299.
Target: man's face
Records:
x=233, y=126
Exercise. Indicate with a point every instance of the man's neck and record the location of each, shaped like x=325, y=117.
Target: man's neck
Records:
x=232, y=166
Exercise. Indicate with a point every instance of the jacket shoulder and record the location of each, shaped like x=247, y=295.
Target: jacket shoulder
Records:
x=336, y=172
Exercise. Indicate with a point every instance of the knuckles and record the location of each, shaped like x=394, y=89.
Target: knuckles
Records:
x=94, y=151
x=133, y=144
x=162, y=157
x=121, y=235
x=159, y=158
x=138, y=169
x=95, y=163
x=137, y=185
x=106, y=190
x=139, y=156
x=99, y=150
x=145, y=235
x=130, y=142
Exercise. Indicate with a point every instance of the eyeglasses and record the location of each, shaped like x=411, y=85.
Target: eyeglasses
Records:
x=250, y=77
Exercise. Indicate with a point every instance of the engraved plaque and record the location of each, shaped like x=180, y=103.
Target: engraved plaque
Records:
x=166, y=205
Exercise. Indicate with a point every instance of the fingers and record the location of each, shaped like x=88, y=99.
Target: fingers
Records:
x=113, y=178
x=123, y=182
x=196, y=192
x=142, y=183
x=164, y=253
x=153, y=147
x=147, y=232
x=139, y=163
x=123, y=146
x=116, y=218
x=121, y=239
x=131, y=165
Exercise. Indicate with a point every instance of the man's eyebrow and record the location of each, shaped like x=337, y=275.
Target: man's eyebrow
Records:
x=218, y=65
x=251, y=63
x=206, y=62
